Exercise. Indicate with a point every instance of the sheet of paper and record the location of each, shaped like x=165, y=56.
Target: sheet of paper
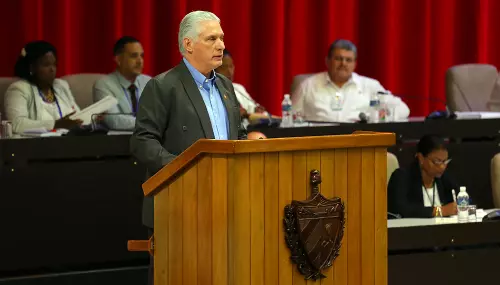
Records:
x=36, y=131
x=97, y=108
x=41, y=135
x=490, y=115
x=477, y=115
x=119, y=133
x=42, y=132
x=468, y=115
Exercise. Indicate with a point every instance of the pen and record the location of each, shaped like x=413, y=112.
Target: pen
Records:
x=453, y=194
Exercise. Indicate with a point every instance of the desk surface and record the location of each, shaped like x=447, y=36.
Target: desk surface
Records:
x=411, y=222
x=443, y=247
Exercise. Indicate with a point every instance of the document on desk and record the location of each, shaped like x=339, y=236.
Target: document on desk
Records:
x=98, y=107
x=477, y=115
x=43, y=132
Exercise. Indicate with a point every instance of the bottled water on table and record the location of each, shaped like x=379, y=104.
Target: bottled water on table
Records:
x=463, y=205
x=374, y=108
x=380, y=109
x=286, y=112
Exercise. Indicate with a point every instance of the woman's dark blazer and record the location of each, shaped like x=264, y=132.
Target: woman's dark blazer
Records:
x=404, y=193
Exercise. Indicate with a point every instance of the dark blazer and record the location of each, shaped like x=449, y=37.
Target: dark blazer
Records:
x=171, y=117
x=404, y=193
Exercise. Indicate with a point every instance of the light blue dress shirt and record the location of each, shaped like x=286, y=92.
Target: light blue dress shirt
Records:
x=213, y=102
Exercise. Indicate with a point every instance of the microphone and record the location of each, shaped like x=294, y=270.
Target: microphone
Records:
x=270, y=118
x=263, y=120
x=363, y=118
x=443, y=114
x=391, y=216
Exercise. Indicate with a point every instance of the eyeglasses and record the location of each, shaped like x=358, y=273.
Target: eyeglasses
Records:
x=438, y=162
x=346, y=59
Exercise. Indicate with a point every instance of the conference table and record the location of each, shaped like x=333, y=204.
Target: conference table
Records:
x=443, y=251
x=69, y=204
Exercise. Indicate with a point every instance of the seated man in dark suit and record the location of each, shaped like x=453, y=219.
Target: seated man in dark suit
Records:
x=424, y=188
x=187, y=103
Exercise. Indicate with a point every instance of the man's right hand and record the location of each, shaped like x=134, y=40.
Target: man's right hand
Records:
x=67, y=123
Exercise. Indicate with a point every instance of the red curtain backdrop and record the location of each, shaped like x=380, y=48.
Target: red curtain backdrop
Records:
x=406, y=45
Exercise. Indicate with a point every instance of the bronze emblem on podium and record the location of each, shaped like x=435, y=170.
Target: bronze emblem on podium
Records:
x=313, y=230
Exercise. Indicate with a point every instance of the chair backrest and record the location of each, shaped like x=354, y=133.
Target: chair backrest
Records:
x=81, y=87
x=5, y=82
x=392, y=164
x=469, y=87
x=494, y=103
x=297, y=80
x=495, y=179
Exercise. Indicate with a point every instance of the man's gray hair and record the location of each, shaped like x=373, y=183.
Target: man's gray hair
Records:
x=343, y=44
x=189, y=27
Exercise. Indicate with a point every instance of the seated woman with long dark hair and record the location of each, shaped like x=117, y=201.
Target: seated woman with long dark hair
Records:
x=424, y=189
x=39, y=100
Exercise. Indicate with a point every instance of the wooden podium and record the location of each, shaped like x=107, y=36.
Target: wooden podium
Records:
x=219, y=209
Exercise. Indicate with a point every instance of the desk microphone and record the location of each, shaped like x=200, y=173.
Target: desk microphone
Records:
x=391, y=216
x=363, y=119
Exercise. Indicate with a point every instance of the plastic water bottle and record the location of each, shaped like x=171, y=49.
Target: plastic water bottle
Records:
x=374, y=108
x=463, y=205
x=286, y=112
x=382, y=110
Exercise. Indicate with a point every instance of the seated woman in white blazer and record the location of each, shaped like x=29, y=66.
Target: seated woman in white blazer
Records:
x=39, y=100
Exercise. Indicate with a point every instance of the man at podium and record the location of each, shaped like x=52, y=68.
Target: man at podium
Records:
x=187, y=103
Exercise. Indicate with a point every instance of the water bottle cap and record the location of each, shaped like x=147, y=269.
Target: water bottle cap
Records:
x=287, y=95
x=462, y=188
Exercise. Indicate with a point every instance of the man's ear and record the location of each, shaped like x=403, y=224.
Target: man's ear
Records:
x=118, y=60
x=188, y=45
x=420, y=158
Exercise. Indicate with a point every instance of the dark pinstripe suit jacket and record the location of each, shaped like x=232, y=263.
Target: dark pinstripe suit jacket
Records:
x=171, y=117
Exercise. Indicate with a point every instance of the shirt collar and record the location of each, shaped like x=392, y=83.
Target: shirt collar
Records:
x=124, y=82
x=199, y=78
x=355, y=79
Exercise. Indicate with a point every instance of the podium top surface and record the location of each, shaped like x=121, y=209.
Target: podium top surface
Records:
x=207, y=146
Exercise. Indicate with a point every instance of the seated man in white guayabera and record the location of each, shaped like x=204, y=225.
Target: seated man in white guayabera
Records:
x=339, y=94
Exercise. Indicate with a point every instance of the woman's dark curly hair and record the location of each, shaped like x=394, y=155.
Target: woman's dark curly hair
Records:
x=31, y=52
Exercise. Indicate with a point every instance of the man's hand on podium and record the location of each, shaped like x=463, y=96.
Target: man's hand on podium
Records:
x=256, y=136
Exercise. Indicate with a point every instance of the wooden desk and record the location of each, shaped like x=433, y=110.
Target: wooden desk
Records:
x=68, y=203
x=444, y=253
